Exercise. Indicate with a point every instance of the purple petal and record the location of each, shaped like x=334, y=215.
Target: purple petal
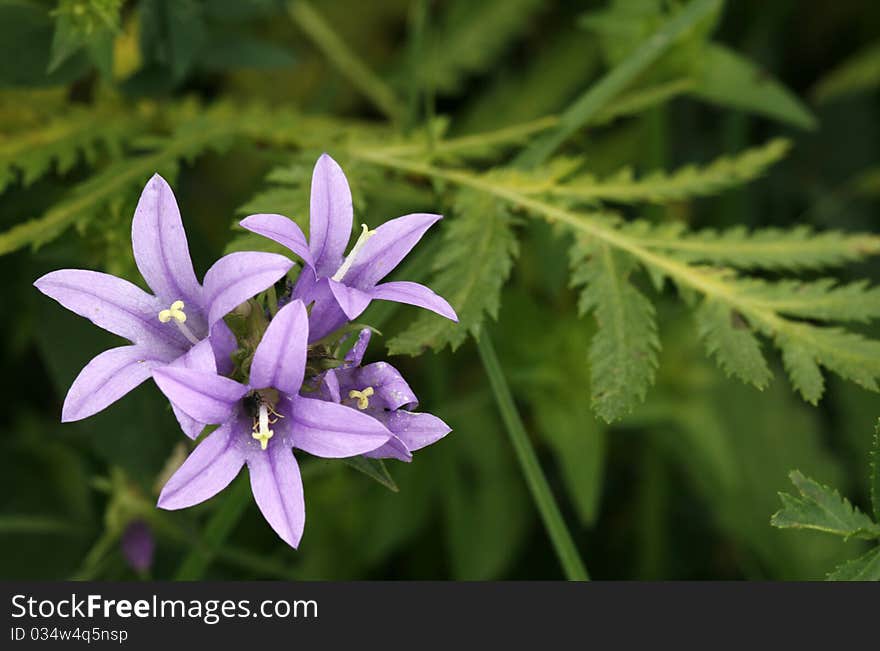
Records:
x=388, y=246
x=116, y=306
x=236, y=277
x=351, y=300
x=105, y=379
x=330, y=216
x=138, y=545
x=415, y=294
x=393, y=449
x=224, y=344
x=278, y=490
x=415, y=430
x=160, y=247
x=328, y=387
x=206, y=397
x=280, y=358
x=390, y=390
x=282, y=230
x=326, y=429
x=325, y=315
x=209, y=468
x=199, y=358
x=355, y=356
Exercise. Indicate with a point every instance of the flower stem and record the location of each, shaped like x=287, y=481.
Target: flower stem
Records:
x=559, y=534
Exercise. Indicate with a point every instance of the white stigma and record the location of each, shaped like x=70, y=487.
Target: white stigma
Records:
x=263, y=434
x=175, y=313
x=365, y=235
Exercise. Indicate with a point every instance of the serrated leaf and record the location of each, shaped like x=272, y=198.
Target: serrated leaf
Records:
x=374, y=469
x=623, y=353
x=728, y=336
x=687, y=182
x=806, y=348
x=864, y=568
x=479, y=246
x=823, y=299
x=729, y=79
x=822, y=508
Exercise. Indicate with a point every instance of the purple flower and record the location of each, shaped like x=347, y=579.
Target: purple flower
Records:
x=380, y=391
x=259, y=424
x=171, y=326
x=138, y=546
x=341, y=288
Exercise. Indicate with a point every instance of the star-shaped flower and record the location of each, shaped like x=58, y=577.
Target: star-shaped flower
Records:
x=342, y=288
x=380, y=391
x=172, y=325
x=259, y=424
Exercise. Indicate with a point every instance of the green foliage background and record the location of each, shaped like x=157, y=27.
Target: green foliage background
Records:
x=659, y=214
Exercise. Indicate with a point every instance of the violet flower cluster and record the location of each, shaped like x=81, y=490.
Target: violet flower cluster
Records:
x=273, y=382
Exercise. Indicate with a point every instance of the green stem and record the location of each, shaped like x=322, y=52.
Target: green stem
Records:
x=561, y=538
x=344, y=60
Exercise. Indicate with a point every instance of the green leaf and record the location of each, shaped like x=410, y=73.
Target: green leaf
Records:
x=623, y=353
x=767, y=248
x=822, y=509
x=597, y=97
x=858, y=74
x=374, y=469
x=82, y=24
x=729, y=338
x=687, y=182
x=476, y=257
x=469, y=36
x=731, y=80
x=864, y=568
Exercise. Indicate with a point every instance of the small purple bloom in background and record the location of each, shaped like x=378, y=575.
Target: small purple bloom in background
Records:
x=342, y=288
x=169, y=327
x=259, y=424
x=380, y=391
x=138, y=546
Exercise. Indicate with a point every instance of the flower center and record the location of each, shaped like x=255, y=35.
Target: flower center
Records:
x=175, y=313
x=261, y=432
x=365, y=235
x=362, y=397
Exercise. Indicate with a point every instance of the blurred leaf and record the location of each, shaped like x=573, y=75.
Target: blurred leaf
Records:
x=729, y=339
x=729, y=79
x=859, y=73
x=864, y=568
x=874, y=478
x=374, y=469
x=823, y=509
x=172, y=33
x=88, y=24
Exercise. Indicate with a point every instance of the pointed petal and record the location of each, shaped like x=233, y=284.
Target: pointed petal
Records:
x=393, y=449
x=390, y=390
x=415, y=430
x=116, y=306
x=351, y=300
x=277, y=487
x=279, y=228
x=388, y=246
x=330, y=216
x=160, y=247
x=328, y=387
x=326, y=429
x=236, y=277
x=415, y=294
x=206, y=397
x=223, y=343
x=200, y=358
x=105, y=379
x=209, y=468
x=280, y=358
x=355, y=356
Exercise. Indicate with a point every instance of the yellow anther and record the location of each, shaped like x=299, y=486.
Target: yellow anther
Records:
x=174, y=312
x=363, y=397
